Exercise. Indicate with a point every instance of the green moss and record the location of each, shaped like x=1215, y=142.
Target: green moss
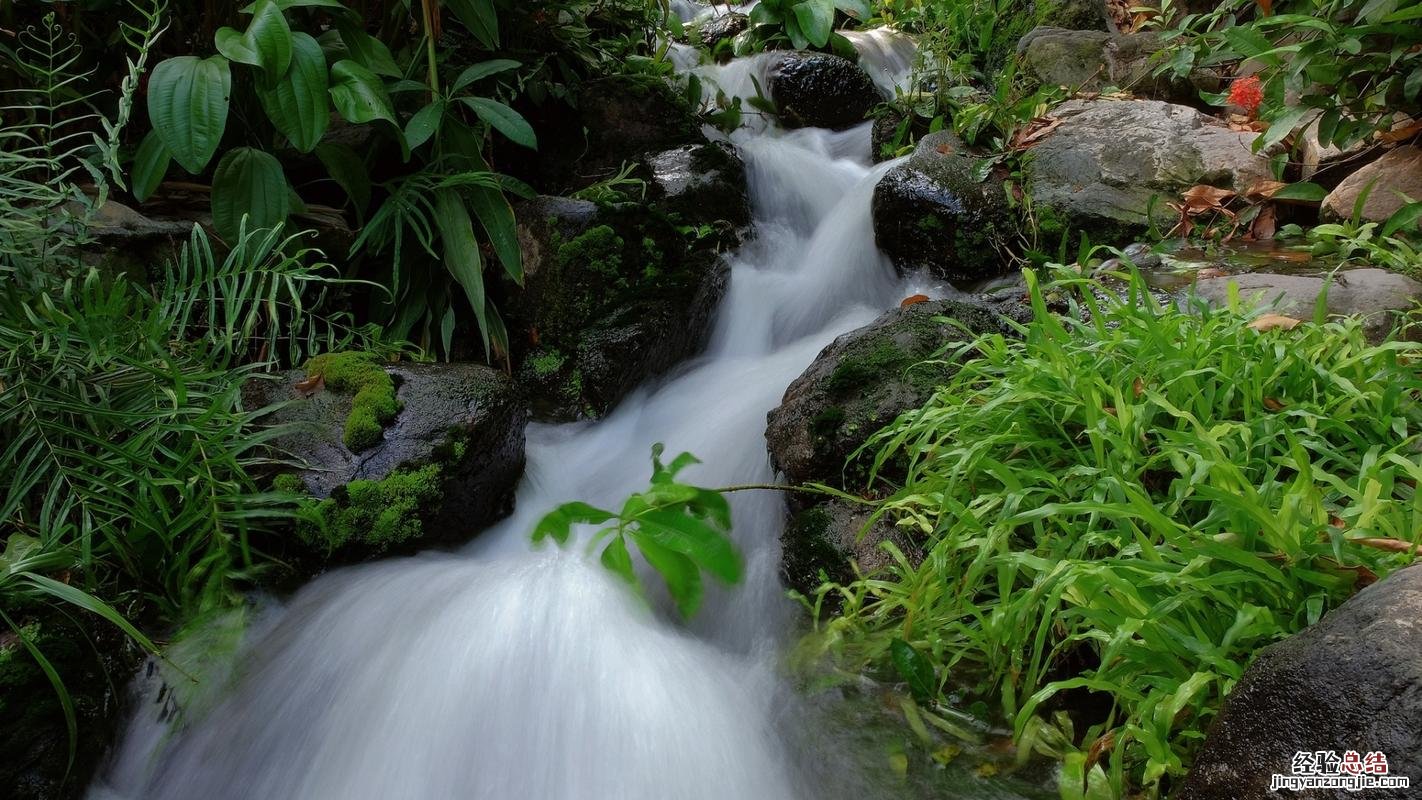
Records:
x=375, y=514
x=860, y=369
x=546, y=362
x=289, y=483
x=599, y=250
x=374, y=405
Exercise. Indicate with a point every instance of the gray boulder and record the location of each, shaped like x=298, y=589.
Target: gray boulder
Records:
x=700, y=182
x=828, y=540
x=1080, y=15
x=1102, y=167
x=1397, y=175
x=721, y=27
x=1376, y=295
x=1091, y=60
x=1353, y=681
x=455, y=450
x=930, y=212
x=819, y=90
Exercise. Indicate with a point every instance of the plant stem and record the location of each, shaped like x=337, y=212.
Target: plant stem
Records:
x=425, y=6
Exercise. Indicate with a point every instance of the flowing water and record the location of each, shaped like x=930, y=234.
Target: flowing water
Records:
x=504, y=671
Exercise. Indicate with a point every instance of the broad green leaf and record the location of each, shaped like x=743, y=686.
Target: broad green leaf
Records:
x=424, y=124
x=1303, y=192
x=816, y=18
x=150, y=164
x=482, y=70
x=285, y=4
x=270, y=36
x=497, y=217
x=859, y=9
x=1404, y=218
x=480, y=17
x=796, y=32
x=348, y=171
x=504, y=119
x=299, y=104
x=359, y=94
x=682, y=578
x=367, y=50
x=461, y=252
x=618, y=561
x=235, y=47
x=916, y=670
x=250, y=183
x=187, y=104
x=559, y=522
x=707, y=547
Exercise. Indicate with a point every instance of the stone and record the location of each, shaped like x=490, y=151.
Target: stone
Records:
x=1079, y=15
x=720, y=28
x=862, y=381
x=931, y=213
x=828, y=540
x=465, y=421
x=819, y=90
x=1102, y=167
x=700, y=182
x=1352, y=681
x=1376, y=295
x=612, y=295
x=1092, y=60
x=1397, y=174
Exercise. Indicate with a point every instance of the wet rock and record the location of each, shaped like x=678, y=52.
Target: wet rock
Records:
x=1100, y=170
x=1091, y=60
x=818, y=90
x=1350, y=682
x=930, y=212
x=701, y=182
x=1376, y=295
x=612, y=295
x=862, y=382
x=1078, y=15
x=826, y=541
x=454, y=454
x=721, y=28
x=1397, y=174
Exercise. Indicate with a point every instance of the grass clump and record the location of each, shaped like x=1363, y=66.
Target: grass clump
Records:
x=374, y=514
x=374, y=405
x=1117, y=513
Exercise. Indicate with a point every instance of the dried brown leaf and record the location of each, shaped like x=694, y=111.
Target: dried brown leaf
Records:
x=1269, y=322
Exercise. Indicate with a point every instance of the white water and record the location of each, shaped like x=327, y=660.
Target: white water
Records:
x=505, y=672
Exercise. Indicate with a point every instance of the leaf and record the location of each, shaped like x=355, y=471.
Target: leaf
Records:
x=250, y=183
x=859, y=9
x=618, y=561
x=310, y=386
x=1263, y=189
x=913, y=300
x=367, y=50
x=269, y=36
x=482, y=70
x=298, y=105
x=424, y=124
x=480, y=17
x=558, y=523
x=682, y=578
x=816, y=19
x=187, y=104
x=150, y=164
x=66, y=702
x=348, y=171
x=1269, y=322
x=496, y=215
x=359, y=94
x=285, y=4
x=1301, y=193
x=708, y=548
x=916, y=670
x=461, y=252
x=1201, y=198
x=88, y=602
x=504, y=119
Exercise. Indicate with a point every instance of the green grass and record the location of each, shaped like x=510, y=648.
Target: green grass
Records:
x=1118, y=513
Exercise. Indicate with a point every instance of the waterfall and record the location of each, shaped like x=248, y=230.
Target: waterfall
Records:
x=505, y=671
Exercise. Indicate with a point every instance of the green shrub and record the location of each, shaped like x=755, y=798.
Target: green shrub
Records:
x=1118, y=513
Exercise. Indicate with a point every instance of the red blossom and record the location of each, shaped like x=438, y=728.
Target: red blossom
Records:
x=1247, y=94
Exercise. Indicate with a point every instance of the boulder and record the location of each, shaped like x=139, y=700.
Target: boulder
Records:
x=828, y=540
x=1078, y=15
x=721, y=27
x=444, y=468
x=819, y=90
x=1108, y=159
x=863, y=381
x=1091, y=60
x=700, y=182
x=930, y=212
x=1376, y=295
x=1352, y=681
x=1397, y=174
x=611, y=296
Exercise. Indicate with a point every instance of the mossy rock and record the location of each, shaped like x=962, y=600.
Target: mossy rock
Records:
x=445, y=467
x=700, y=184
x=864, y=380
x=820, y=90
x=932, y=213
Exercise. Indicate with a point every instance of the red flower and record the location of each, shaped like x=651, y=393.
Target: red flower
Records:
x=1247, y=94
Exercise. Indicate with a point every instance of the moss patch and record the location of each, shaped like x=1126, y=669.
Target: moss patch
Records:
x=374, y=514
x=374, y=405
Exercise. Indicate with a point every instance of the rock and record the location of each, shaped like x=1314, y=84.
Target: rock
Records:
x=863, y=381
x=1099, y=170
x=1352, y=681
x=1376, y=295
x=818, y=90
x=1092, y=60
x=611, y=296
x=1078, y=15
x=452, y=456
x=930, y=212
x=1398, y=172
x=827, y=540
x=701, y=182
x=720, y=28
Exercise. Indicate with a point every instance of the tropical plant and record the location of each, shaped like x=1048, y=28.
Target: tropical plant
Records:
x=1119, y=508
x=802, y=24
x=680, y=530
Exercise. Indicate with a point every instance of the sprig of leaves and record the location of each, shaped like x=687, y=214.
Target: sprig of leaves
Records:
x=680, y=530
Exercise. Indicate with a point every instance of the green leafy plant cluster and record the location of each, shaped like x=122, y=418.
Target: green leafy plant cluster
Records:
x=1391, y=244
x=803, y=24
x=1118, y=509
x=1354, y=66
x=680, y=530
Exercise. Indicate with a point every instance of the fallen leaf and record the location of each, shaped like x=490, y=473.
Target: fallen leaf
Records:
x=1110, y=410
x=1034, y=132
x=1203, y=197
x=1273, y=405
x=533, y=336
x=1138, y=387
x=913, y=300
x=1402, y=133
x=310, y=386
x=944, y=148
x=1263, y=189
x=1264, y=225
x=1390, y=545
x=1210, y=272
x=1269, y=322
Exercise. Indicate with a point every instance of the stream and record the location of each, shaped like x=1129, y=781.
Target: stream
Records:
x=508, y=671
